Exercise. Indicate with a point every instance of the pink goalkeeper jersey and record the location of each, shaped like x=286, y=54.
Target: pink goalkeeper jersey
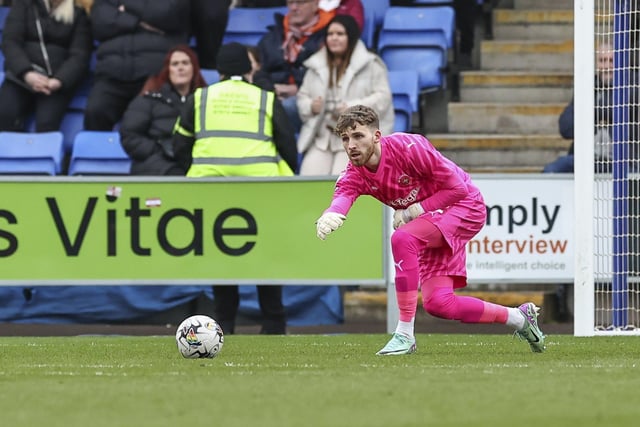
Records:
x=412, y=170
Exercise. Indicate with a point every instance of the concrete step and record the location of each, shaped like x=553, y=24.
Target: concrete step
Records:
x=503, y=118
x=378, y=298
x=532, y=24
x=525, y=55
x=500, y=153
x=368, y=305
x=543, y=4
x=515, y=86
x=503, y=169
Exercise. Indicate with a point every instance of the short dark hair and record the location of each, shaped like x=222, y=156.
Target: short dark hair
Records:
x=357, y=115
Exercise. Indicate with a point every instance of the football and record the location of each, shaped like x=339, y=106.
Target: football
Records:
x=199, y=336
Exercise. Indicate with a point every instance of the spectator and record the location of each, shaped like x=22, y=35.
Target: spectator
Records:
x=258, y=76
x=47, y=46
x=291, y=41
x=133, y=38
x=341, y=74
x=564, y=164
x=466, y=12
x=217, y=145
x=603, y=118
x=259, y=3
x=147, y=125
x=353, y=8
x=208, y=23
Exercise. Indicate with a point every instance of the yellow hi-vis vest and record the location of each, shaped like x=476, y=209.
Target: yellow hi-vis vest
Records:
x=234, y=132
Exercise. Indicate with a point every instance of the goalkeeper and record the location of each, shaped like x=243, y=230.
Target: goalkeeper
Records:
x=437, y=211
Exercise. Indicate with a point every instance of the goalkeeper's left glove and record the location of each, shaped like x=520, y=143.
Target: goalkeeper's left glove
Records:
x=403, y=216
x=328, y=223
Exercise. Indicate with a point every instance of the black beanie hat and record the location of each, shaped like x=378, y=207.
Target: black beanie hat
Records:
x=233, y=60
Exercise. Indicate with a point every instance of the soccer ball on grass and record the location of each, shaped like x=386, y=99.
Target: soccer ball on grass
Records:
x=199, y=336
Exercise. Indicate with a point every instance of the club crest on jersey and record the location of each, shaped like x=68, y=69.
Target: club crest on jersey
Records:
x=404, y=180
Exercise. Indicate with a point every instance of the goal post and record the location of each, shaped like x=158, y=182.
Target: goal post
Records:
x=606, y=174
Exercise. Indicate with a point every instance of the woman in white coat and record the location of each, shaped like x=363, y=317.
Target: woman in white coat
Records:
x=341, y=74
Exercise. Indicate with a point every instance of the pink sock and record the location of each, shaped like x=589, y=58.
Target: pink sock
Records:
x=405, y=255
x=441, y=301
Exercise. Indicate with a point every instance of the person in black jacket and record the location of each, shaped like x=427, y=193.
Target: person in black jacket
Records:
x=147, y=126
x=42, y=77
x=604, y=103
x=208, y=23
x=133, y=38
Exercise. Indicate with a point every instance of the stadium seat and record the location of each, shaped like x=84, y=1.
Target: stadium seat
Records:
x=419, y=39
x=79, y=100
x=4, y=11
x=433, y=26
x=247, y=25
x=369, y=29
x=379, y=8
x=98, y=153
x=72, y=123
x=210, y=76
x=428, y=63
x=432, y=2
x=404, y=88
x=31, y=153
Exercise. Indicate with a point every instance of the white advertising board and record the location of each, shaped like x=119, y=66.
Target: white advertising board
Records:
x=529, y=232
x=528, y=237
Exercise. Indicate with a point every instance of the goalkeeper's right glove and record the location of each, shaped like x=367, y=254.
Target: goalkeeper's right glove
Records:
x=403, y=216
x=328, y=223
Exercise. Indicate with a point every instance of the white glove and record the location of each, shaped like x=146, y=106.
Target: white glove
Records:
x=328, y=223
x=403, y=216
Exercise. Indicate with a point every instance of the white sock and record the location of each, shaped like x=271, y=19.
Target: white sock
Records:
x=405, y=328
x=515, y=318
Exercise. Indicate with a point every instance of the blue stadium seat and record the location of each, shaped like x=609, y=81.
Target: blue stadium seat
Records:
x=98, y=153
x=432, y=26
x=369, y=29
x=428, y=63
x=79, y=100
x=247, y=25
x=210, y=76
x=72, y=124
x=404, y=88
x=418, y=38
x=379, y=8
x=4, y=11
x=432, y=2
x=30, y=153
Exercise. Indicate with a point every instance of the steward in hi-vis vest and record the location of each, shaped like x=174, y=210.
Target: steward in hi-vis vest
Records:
x=234, y=128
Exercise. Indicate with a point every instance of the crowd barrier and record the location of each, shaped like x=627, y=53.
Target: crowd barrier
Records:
x=123, y=231
x=95, y=250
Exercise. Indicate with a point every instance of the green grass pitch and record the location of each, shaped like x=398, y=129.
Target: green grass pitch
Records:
x=318, y=380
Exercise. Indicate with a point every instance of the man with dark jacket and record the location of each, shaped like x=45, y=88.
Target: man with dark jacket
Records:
x=133, y=38
x=208, y=23
x=241, y=130
x=603, y=104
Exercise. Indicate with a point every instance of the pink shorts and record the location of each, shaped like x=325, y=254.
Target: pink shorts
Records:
x=458, y=224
